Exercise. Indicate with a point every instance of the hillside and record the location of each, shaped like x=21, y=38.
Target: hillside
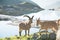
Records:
x=17, y=8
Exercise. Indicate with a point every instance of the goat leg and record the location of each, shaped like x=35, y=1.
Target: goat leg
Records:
x=40, y=31
x=25, y=32
x=20, y=33
x=28, y=32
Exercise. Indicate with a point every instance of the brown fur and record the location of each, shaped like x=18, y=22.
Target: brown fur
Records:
x=48, y=25
x=27, y=26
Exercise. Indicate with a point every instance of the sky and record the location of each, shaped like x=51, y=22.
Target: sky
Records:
x=45, y=3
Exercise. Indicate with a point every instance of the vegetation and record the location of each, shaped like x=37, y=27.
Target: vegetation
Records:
x=43, y=36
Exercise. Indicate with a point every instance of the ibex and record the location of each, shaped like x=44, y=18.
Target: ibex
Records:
x=26, y=27
x=48, y=25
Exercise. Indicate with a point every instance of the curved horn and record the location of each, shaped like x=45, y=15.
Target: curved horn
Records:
x=26, y=16
x=32, y=17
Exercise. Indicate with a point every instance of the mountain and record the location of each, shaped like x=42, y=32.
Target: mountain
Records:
x=11, y=2
x=17, y=8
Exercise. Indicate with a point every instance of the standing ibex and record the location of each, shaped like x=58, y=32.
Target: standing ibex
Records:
x=27, y=26
x=48, y=25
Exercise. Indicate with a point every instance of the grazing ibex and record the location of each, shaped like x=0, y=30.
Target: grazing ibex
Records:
x=48, y=25
x=27, y=26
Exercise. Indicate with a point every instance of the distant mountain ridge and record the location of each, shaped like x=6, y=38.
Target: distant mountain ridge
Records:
x=18, y=7
x=10, y=2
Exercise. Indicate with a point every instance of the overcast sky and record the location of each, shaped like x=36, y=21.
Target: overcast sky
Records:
x=45, y=3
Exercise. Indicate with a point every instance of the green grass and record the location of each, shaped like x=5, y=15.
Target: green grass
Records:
x=17, y=38
x=20, y=37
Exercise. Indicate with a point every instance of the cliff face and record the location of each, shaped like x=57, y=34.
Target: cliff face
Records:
x=17, y=8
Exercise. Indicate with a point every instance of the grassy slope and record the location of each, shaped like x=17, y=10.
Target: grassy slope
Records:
x=20, y=37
